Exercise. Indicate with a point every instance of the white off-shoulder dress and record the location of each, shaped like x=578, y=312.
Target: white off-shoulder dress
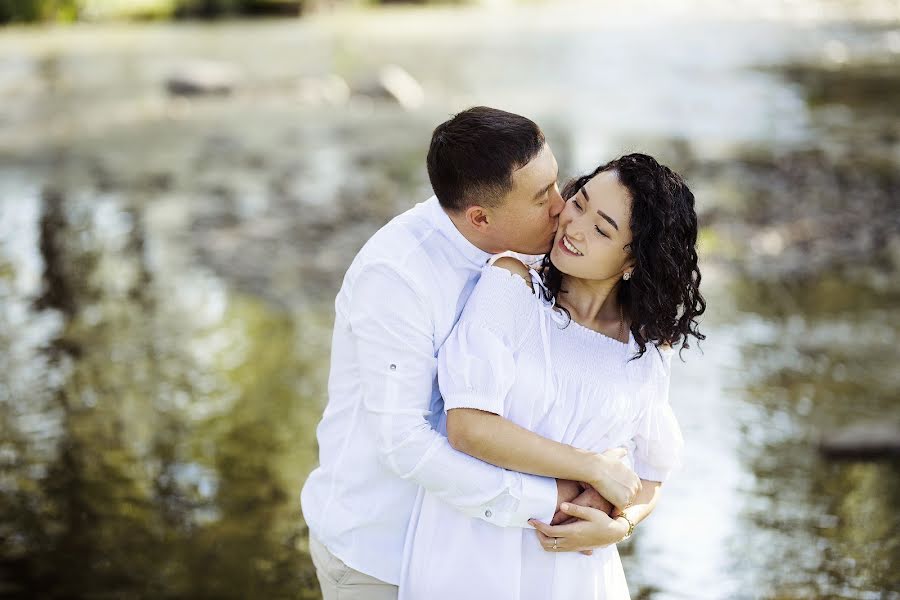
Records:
x=513, y=354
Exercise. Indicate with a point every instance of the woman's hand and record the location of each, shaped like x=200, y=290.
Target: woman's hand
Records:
x=613, y=479
x=591, y=498
x=594, y=529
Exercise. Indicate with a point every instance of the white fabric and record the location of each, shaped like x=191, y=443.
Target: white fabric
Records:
x=514, y=355
x=383, y=431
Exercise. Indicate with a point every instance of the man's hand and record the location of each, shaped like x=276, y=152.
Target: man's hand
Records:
x=590, y=498
x=566, y=491
x=593, y=529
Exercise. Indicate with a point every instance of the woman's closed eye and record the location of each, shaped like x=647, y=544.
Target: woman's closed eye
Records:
x=600, y=231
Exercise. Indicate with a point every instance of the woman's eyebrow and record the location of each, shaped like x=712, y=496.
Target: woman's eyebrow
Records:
x=608, y=218
x=600, y=212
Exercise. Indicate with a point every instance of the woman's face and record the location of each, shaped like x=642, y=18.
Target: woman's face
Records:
x=595, y=230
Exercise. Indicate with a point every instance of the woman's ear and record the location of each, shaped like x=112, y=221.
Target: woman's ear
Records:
x=628, y=269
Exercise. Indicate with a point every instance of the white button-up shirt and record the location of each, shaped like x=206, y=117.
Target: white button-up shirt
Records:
x=383, y=433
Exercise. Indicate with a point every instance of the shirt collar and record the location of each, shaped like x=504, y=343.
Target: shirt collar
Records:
x=442, y=221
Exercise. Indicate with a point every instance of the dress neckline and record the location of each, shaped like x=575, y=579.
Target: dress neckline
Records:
x=561, y=319
x=596, y=334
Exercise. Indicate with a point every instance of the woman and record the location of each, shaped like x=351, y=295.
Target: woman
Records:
x=580, y=355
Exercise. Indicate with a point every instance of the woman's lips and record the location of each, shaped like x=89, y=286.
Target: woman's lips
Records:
x=564, y=248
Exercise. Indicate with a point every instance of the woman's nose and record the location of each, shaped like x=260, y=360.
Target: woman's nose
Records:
x=574, y=230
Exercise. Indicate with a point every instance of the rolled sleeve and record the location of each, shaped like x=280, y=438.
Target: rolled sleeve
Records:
x=539, y=495
x=532, y=497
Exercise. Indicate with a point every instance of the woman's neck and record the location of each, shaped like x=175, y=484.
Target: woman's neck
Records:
x=593, y=304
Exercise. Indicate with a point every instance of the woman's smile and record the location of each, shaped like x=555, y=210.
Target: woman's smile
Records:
x=568, y=247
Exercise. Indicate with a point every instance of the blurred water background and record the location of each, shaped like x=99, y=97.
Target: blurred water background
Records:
x=179, y=201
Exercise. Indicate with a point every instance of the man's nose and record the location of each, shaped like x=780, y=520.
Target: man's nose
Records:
x=557, y=205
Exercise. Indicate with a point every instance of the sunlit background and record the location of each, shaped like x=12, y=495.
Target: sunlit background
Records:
x=184, y=182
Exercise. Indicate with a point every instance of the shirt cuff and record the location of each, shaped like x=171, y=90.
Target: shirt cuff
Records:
x=538, y=501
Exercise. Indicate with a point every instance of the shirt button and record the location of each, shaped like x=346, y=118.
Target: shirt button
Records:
x=488, y=514
x=393, y=367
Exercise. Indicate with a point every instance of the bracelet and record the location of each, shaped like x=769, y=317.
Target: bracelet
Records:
x=630, y=526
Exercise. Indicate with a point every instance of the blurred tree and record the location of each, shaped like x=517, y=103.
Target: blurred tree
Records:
x=208, y=9
x=29, y=11
x=25, y=11
x=38, y=10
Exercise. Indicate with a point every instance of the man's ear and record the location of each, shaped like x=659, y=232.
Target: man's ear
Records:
x=477, y=217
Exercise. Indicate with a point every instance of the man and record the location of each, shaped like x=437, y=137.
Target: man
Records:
x=494, y=178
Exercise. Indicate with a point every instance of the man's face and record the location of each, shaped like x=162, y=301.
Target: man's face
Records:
x=526, y=219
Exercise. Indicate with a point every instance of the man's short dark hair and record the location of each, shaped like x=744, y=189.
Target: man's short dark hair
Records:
x=472, y=156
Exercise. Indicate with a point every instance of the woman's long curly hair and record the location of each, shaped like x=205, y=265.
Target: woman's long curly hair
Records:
x=662, y=298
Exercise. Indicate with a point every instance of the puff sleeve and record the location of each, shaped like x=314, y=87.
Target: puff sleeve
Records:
x=477, y=362
x=658, y=440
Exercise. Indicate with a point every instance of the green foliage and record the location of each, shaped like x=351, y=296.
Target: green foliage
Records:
x=12, y=11
x=33, y=11
x=213, y=8
x=30, y=11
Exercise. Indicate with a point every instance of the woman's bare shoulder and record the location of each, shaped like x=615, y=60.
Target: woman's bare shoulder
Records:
x=514, y=265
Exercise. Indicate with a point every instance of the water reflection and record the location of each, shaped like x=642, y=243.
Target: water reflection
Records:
x=835, y=523
x=167, y=433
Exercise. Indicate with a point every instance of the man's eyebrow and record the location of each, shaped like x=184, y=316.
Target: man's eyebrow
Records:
x=544, y=191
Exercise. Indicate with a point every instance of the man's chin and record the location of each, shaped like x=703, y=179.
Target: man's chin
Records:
x=537, y=253
x=542, y=250
x=548, y=248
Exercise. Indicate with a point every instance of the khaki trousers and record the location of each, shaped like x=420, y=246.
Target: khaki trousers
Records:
x=340, y=582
